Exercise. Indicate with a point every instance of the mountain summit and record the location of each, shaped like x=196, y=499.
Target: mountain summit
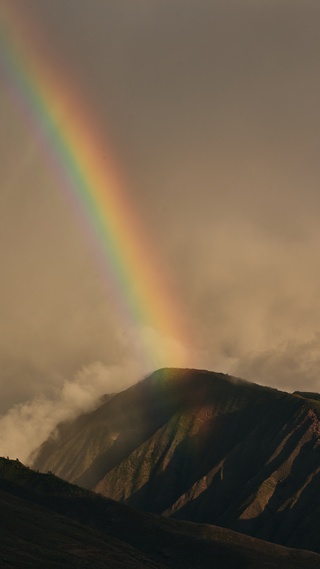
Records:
x=201, y=446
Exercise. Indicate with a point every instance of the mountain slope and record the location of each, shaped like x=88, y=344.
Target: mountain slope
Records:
x=47, y=523
x=204, y=447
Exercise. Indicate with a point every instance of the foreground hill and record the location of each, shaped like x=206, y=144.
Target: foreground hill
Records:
x=203, y=447
x=48, y=523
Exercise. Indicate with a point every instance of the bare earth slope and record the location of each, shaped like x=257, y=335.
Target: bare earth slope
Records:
x=203, y=447
x=48, y=523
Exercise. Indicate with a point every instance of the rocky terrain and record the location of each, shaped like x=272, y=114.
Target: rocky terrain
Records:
x=203, y=447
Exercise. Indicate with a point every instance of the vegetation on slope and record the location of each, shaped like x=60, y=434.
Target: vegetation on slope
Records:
x=48, y=523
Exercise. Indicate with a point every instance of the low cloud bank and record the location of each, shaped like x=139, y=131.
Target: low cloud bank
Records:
x=25, y=426
x=292, y=366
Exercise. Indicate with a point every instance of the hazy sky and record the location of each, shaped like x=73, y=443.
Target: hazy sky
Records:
x=212, y=109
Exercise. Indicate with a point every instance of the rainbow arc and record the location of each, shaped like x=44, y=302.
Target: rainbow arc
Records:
x=80, y=159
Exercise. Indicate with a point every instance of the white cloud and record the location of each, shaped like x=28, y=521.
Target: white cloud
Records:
x=25, y=426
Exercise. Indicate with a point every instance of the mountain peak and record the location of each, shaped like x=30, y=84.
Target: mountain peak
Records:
x=201, y=446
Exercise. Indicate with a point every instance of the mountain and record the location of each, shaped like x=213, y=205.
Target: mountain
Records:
x=203, y=447
x=48, y=523
x=308, y=395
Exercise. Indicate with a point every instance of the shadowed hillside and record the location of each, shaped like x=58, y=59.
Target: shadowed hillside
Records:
x=48, y=523
x=203, y=447
x=308, y=395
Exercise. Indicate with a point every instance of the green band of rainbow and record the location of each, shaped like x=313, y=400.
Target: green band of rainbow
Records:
x=80, y=158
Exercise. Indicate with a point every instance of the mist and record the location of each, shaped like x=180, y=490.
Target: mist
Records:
x=26, y=425
x=211, y=109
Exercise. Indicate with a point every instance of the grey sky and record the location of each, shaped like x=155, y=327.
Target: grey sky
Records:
x=212, y=108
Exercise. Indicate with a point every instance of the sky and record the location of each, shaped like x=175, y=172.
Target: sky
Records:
x=211, y=110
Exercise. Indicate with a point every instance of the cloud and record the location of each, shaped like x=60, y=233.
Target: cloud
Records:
x=212, y=110
x=26, y=425
x=290, y=366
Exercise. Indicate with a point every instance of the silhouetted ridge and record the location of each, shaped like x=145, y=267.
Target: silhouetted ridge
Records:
x=50, y=523
x=308, y=395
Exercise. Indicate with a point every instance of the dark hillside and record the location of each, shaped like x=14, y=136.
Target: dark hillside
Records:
x=48, y=523
x=311, y=395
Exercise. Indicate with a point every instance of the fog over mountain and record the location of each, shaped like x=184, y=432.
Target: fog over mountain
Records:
x=211, y=109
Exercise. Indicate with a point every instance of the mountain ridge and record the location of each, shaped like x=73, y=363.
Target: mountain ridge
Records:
x=204, y=447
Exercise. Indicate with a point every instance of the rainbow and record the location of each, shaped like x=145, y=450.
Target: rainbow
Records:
x=80, y=159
